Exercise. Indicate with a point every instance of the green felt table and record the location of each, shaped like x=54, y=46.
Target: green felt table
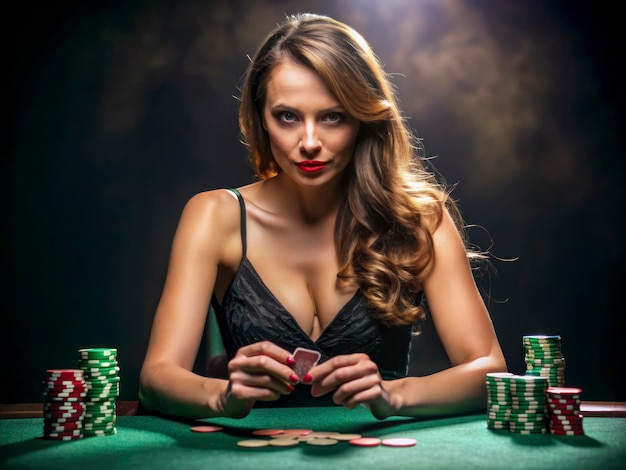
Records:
x=460, y=442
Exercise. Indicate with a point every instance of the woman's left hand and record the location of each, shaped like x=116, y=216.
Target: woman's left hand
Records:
x=354, y=379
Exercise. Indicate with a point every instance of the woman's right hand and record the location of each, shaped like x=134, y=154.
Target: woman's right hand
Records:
x=261, y=371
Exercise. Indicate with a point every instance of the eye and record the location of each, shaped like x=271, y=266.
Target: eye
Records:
x=333, y=117
x=286, y=116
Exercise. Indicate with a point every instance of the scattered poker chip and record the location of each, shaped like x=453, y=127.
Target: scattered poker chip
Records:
x=253, y=443
x=399, y=442
x=290, y=435
x=323, y=434
x=283, y=442
x=347, y=436
x=267, y=432
x=206, y=428
x=365, y=442
x=322, y=441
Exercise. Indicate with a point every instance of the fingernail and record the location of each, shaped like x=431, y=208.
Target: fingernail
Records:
x=314, y=391
x=291, y=387
x=291, y=361
x=307, y=378
x=293, y=378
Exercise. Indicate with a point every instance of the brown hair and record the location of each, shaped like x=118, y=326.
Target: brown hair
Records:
x=392, y=204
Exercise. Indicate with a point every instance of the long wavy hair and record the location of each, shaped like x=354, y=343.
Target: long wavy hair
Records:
x=392, y=204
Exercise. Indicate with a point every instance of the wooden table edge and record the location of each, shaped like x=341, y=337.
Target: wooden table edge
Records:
x=606, y=409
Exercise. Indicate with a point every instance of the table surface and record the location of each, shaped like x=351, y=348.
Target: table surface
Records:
x=459, y=442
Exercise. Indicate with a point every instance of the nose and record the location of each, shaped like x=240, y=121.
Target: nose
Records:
x=310, y=141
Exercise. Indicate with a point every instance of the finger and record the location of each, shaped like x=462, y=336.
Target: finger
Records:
x=269, y=349
x=263, y=358
x=363, y=390
x=347, y=369
x=258, y=386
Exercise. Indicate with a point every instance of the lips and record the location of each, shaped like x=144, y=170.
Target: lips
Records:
x=311, y=166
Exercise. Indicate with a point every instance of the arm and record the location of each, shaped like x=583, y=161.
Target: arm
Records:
x=466, y=332
x=207, y=237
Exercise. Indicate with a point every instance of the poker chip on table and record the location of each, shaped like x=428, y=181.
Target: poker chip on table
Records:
x=543, y=357
x=528, y=403
x=101, y=371
x=563, y=411
x=294, y=437
x=536, y=402
x=498, y=399
x=63, y=404
x=516, y=403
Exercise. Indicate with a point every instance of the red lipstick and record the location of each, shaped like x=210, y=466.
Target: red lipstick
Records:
x=311, y=166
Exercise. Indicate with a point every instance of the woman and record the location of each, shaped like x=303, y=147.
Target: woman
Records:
x=333, y=249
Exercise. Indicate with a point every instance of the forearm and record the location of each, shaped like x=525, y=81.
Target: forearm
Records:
x=178, y=392
x=459, y=389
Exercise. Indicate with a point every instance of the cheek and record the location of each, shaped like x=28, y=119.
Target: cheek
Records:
x=346, y=142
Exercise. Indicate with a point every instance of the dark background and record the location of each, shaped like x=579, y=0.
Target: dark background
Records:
x=115, y=113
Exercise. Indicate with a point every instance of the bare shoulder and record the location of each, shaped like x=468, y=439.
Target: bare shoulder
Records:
x=209, y=204
x=211, y=219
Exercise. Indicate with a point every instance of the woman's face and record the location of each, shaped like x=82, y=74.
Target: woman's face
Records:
x=311, y=136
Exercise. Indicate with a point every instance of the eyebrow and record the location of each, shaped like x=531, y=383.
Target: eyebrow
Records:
x=284, y=107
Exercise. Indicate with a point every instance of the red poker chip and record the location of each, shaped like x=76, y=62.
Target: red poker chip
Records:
x=563, y=395
x=563, y=412
x=566, y=417
x=564, y=406
x=365, y=442
x=71, y=437
x=564, y=391
x=64, y=409
x=567, y=433
x=206, y=428
x=565, y=420
x=60, y=406
x=64, y=383
x=67, y=393
x=48, y=417
x=62, y=427
x=64, y=399
x=65, y=374
x=59, y=417
x=566, y=428
x=73, y=432
x=563, y=401
x=64, y=413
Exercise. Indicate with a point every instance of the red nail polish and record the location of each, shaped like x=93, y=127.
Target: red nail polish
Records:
x=291, y=361
x=291, y=387
x=314, y=391
x=307, y=378
x=293, y=378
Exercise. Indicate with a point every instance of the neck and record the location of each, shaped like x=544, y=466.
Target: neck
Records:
x=312, y=205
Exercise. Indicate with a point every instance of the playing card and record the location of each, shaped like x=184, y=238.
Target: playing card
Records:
x=305, y=360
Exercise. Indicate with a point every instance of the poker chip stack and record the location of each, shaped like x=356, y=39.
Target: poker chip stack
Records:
x=63, y=404
x=544, y=358
x=563, y=410
x=528, y=404
x=498, y=400
x=103, y=387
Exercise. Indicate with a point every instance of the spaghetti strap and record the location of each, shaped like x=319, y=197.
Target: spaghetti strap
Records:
x=242, y=209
